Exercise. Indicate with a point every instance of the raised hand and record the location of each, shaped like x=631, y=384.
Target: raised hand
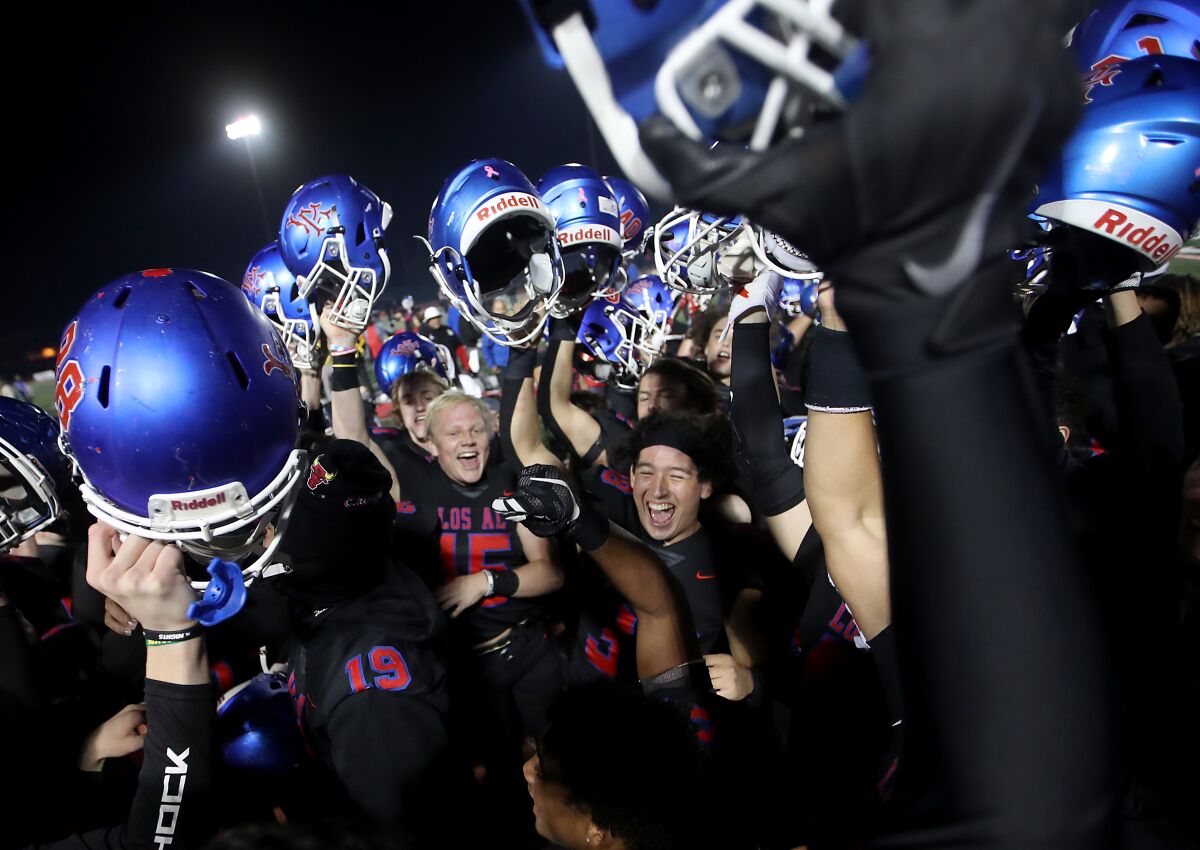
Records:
x=145, y=578
x=546, y=505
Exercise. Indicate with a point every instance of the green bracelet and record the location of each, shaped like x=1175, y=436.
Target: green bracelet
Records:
x=154, y=638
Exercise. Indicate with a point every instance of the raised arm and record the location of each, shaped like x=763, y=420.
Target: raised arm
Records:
x=776, y=484
x=519, y=427
x=572, y=426
x=147, y=579
x=844, y=483
x=349, y=419
x=1149, y=407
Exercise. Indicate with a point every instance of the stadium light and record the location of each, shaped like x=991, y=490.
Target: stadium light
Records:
x=244, y=126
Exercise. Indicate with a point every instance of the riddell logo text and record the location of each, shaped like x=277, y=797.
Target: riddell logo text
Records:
x=1155, y=244
x=198, y=504
x=168, y=812
x=587, y=233
x=512, y=200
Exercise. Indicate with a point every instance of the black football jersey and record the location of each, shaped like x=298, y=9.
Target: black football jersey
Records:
x=472, y=537
x=709, y=582
x=379, y=641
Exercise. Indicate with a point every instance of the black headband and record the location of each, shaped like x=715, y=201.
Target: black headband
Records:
x=675, y=436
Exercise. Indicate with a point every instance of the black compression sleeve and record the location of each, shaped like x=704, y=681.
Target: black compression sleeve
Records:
x=1149, y=407
x=176, y=776
x=521, y=362
x=17, y=692
x=545, y=411
x=168, y=809
x=776, y=484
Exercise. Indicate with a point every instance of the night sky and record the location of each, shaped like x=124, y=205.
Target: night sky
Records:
x=123, y=164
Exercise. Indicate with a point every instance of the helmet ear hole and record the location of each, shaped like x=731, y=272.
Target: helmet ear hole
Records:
x=239, y=371
x=360, y=235
x=1144, y=19
x=102, y=388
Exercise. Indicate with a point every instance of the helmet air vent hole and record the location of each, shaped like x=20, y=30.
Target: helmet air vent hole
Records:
x=196, y=290
x=121, y=298
x=1196, y=49
x=1155, y=79
x=360, y=236
x=1144, y=19
x=105, y=373
x=238, y=371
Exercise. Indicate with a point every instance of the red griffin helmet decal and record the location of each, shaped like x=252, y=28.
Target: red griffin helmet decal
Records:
x=276, y=360
x=408, y=347
x=251, y=280
x=1105, y=71
x=313, y=217
x=318, y=475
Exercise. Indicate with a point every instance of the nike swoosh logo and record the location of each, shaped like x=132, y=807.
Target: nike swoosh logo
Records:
x=940, y=279
x=704, y=577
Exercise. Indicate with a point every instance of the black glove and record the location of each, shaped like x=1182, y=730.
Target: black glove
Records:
x=545, y=504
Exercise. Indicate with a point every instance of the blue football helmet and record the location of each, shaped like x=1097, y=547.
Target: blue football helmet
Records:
x=1120, y=30
x=331, y=238
x=179, y=408
x=657, y=303
x=409, y=352
x=34, y=475
x=587, y=216
x=721, y=69
x=1129, y=172
x=614, y=331
x=257, y=729
x=798, y=297
x=493, y=250
x=273, y=289
x=702, y=253
x=635, y=214
x=794, y=430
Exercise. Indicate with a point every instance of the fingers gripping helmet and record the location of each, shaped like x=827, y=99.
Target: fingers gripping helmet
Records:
x=738, y=70
x=614, y=331
x=179, y=408
x=256, y=728
x=587, y=217
x=1129, y=172
x=656, y=303
x=1120, y=30
x=635, y=214
x=331, y=238
x=34, y=475
x=273, y=289
x=409, y=352
x=493, y=250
